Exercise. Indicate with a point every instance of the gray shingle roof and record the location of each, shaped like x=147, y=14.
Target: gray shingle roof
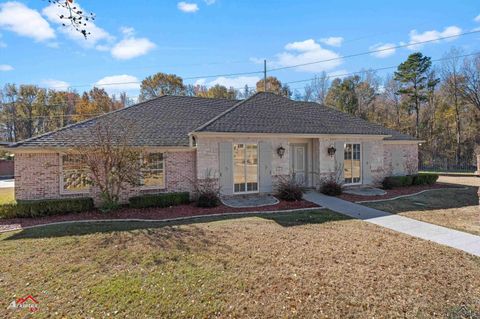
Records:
x=167, y=120
x=270, y=113
x=163, y=121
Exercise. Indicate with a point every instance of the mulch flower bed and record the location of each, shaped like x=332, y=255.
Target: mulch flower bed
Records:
x=391, y=193
x=148, y=213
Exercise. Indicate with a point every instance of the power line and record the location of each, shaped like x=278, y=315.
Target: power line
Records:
x=378, y=69
x=285, y=67
x=239, y=88
x=373, y=51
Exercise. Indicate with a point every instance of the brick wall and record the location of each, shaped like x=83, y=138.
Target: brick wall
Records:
x=400, y=159
x=37, y=176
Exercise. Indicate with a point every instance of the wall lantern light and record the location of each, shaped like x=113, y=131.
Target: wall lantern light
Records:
x=281, y=151
x=331, y=150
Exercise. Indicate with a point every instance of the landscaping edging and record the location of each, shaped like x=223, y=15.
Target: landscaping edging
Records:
x=396, y=192
x=407, y=195
x=166, y=220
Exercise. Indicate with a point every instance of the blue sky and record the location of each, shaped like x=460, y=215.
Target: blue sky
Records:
x=191, y=38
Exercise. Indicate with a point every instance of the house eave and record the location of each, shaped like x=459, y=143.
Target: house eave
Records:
x=43, y=150
x=290, y=135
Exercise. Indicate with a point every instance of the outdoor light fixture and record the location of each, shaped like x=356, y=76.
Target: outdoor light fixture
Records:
x=331, y=150
x=281, y=151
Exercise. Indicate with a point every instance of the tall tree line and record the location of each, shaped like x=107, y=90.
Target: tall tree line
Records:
x=28, y=110
x=439, y=103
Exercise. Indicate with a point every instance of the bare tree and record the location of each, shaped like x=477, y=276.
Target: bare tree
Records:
x=392, y=98
x=452, y=81
x=74, y=16
x=316, y=91
x=471, y=93
x=113, y=162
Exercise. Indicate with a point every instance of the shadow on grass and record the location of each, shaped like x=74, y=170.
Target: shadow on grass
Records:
x=431, y=200
x=289, y=219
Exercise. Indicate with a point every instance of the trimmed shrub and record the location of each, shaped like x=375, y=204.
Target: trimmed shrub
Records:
x=208, y=199
x=159, y=200
x=425, y=179
x=402, y=181
x=48, y=207
x=331, y=188
x=289, y=189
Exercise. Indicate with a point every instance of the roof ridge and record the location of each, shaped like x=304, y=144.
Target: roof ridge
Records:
x=33, y=138
x=201, y=127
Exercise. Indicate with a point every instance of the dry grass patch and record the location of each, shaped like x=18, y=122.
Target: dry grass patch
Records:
x=6, y=195
x=309, y=264
x=456, y=209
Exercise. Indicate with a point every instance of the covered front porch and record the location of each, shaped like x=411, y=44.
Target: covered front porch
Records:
x=251, y=165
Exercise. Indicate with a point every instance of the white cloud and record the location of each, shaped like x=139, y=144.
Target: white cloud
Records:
x=127, y=31
x=6, y=67
x=132, y=47
x=97, y=34
x=116, y=84
x=18, y=18
x=187, y=7
x=308, y=51
x=433, y=35
x=477, y=18
x=55, y=84
x=386, y=50
x=332, y=41
x=238, y=82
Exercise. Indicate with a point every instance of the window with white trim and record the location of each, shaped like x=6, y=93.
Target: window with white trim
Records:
x=153, y=172
x=75, y=174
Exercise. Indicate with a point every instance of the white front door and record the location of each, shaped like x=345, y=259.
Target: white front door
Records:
x=298, y=162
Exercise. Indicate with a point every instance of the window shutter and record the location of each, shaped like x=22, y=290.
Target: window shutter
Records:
x=366, y=163
x=339, y=158
x=226, y=167
x=265, y=167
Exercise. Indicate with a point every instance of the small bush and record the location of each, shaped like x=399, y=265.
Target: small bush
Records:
x=331, y=188
x=206, y=191
x=159, y=200
x=425, y=179
x=48, y=207
x=402, y=181
x=289, y=189
x=208, y=200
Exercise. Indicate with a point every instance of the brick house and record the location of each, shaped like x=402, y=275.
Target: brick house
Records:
x=246, y=145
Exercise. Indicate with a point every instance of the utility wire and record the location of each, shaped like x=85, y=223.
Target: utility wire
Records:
x=377, y=69
x=285, y=67
x=290, y=82
x=374, y=51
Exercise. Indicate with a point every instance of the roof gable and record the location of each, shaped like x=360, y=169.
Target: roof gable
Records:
x=270, y=113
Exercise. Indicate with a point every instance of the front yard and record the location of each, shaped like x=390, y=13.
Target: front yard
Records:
x=452, y=208
x=308, y=264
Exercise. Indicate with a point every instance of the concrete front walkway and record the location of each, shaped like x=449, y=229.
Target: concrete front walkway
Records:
x=438, y=234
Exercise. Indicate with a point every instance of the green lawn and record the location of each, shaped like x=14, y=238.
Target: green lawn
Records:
x=309, y=264
x=457, y=209
x=6, y=195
